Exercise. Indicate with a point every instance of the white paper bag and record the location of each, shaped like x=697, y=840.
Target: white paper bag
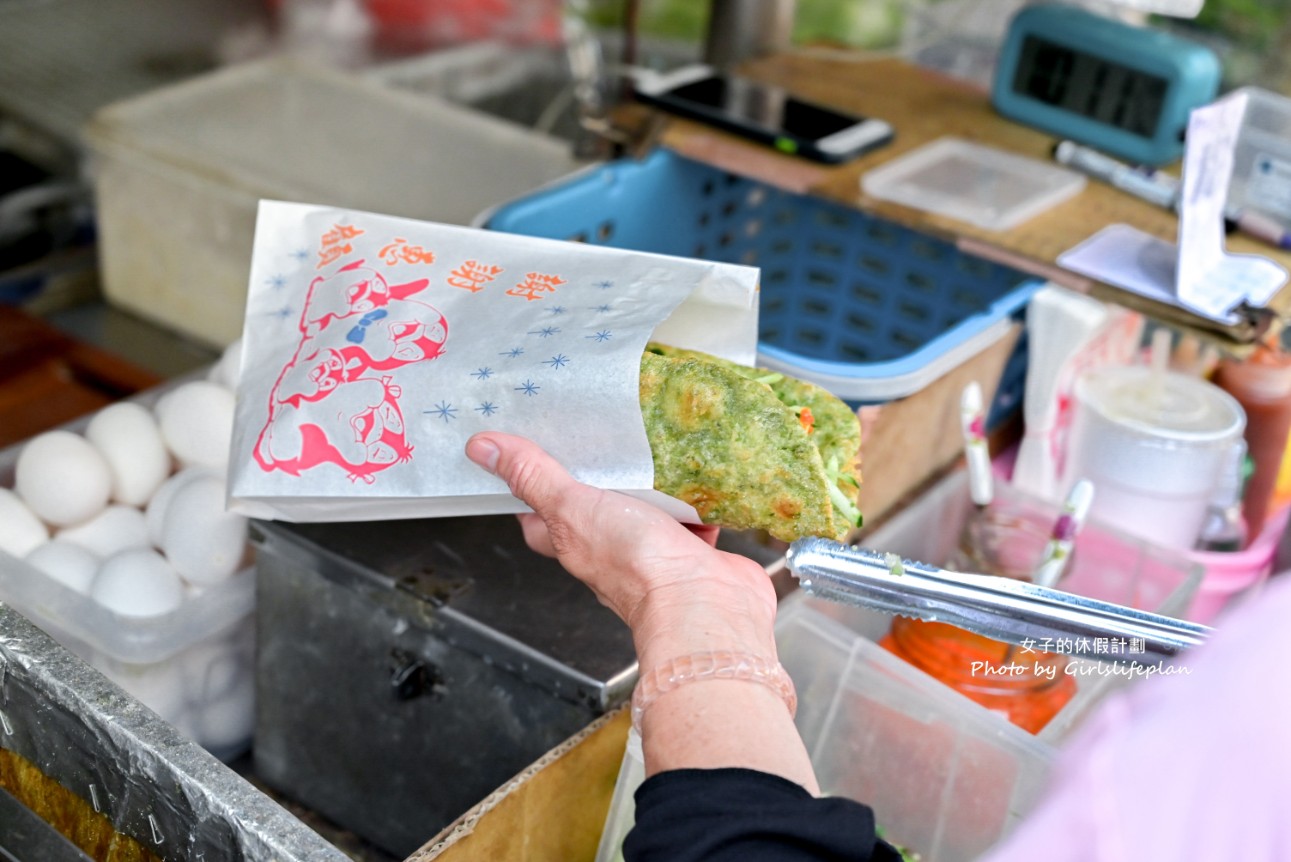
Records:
x=374, y=347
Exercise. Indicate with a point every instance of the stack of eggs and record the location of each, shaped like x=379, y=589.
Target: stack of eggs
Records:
x=132, y=512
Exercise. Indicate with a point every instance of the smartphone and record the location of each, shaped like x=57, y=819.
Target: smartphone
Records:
x=764, y=113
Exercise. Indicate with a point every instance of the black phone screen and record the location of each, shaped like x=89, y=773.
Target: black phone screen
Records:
x=769, y=107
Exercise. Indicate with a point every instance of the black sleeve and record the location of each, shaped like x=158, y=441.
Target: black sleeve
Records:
x=741, y=815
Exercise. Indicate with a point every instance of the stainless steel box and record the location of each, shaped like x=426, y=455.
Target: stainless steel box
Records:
x=407, y=669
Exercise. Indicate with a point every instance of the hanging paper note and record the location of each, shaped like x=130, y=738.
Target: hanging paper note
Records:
x=1197, y=273
x=374, y=347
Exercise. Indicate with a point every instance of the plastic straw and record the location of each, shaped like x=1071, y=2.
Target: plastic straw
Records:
x=1159, y=362
x=973, y=423
x=1058, y=551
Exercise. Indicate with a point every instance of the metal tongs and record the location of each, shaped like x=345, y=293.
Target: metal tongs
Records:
x=1016, y=612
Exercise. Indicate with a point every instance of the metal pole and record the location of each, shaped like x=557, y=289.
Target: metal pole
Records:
x=740, y=30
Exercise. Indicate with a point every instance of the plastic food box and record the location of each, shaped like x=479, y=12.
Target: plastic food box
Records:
x=945, y=777
x=984, y=186
x=1107, y=564
x=194, y=667
x=1261, y=181
x=867, y=308
x=178, y=173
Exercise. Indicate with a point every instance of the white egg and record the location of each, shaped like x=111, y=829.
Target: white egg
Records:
x=71, y=565
x=203, y=542
x=137, y=583
x=227, y=370
x=116, y=528
x=155, y=514
x=229, y=720
x=62, y=478
x=128, y=436
x=212, y=670
x=197, y=423
x=20, y=530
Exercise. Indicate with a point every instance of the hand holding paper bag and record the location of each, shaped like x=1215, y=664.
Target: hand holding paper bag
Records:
x=374, y=347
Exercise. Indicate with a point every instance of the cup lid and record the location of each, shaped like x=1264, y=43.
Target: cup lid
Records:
x=1170, y=405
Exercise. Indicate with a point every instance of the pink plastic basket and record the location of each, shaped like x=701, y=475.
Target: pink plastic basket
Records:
x=1230, y=574
x=1225, y=575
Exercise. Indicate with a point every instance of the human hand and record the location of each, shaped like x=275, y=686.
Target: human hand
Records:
x=667, y=581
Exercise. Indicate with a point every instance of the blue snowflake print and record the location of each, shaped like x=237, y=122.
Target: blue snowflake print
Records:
x=488, y=408
x=301, y=254
x=605, y=284
x=557, y=309
x=601, y=309
x=512, y=353
x=278, y=282
x=603, y=335
x=545, y=332
x=560, y=360
x=444, y=411
x=482, y=373
x=528, y=388
x=282, y=314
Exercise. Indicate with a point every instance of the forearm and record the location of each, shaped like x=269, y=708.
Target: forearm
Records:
x=718, y=722
x=725, y=723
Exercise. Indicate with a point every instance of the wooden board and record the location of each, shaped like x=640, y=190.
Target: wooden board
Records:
x=71, y=815
x=554, y=811
x=922, y=106
x=48, y=378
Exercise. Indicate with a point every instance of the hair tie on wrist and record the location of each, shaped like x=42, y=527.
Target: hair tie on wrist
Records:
x=717, y=664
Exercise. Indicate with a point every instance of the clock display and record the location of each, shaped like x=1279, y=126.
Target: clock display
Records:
x=1106, y=92
x=1119, y=88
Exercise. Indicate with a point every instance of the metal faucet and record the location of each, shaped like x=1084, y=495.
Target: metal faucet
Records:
x=740, y=30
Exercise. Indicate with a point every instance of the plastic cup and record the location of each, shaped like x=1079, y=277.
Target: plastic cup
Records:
x=1154, y=445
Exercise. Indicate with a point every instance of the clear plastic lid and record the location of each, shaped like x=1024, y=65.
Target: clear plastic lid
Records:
x=981, y=185
x=1165, y=405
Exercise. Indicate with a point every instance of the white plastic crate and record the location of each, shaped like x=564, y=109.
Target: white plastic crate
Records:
x=178, y=174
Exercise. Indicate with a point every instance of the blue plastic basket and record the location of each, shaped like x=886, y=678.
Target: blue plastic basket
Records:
x=869, y=309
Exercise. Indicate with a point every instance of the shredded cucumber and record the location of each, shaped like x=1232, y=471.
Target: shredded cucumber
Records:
x=846, y=508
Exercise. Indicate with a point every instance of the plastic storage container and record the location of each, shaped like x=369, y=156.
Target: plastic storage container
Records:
x=867, y=308
x=983, y=186
x=1106, y=564
x=194, y=666
x=1261, y=181
x=946, y=777
x=1154, y=447
x=178, y=173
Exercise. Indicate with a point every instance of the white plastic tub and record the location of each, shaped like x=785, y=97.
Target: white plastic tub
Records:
x=178, y=174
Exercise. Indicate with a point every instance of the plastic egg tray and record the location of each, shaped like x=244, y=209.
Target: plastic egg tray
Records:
x=193, y=666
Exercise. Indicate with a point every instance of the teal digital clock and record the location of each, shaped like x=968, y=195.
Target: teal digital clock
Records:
x=1122, y=89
